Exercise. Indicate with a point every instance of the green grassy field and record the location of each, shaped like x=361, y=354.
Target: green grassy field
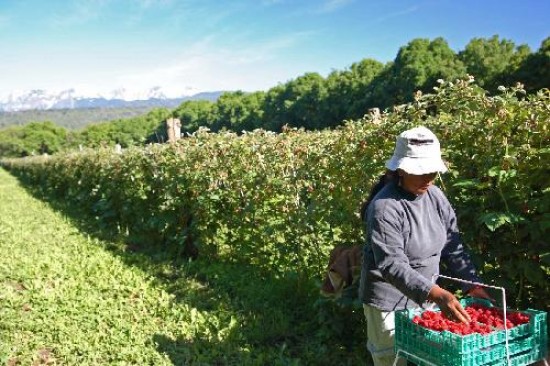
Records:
x=70, y=295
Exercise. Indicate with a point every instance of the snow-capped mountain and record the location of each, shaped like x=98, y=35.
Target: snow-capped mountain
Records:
x=39, y=99
x=154, y=93
x=34, y=99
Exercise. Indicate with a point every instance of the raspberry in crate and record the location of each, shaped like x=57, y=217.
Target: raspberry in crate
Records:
x=484, y=320
x=494, y=317
x=427, y=337
x=438, y=322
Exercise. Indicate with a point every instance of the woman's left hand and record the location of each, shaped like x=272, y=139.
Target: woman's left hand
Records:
x=480, y=293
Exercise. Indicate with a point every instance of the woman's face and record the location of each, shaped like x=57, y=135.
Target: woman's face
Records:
x=416, y=184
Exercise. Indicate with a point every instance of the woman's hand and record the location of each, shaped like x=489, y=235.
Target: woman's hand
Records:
x=480, y=293
x=449, y=304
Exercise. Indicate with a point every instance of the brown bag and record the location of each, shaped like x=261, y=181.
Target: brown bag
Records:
x=343, y=270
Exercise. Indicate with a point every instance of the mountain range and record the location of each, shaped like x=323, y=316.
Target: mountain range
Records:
x=40, y=99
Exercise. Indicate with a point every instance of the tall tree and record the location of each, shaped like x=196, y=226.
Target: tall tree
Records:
x=238, y=111
x=350, y=92
x=194, y=114
x=274, y=108
x=126, y=132
x=491, y=60
x=11, y=142
x=534, y=72
x=296, y=103
x=305, y=96
x=252, y=112
x=33, y=138
x=417, y=66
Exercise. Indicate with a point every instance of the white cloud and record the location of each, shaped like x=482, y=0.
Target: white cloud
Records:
x=205, y=67
x=218, y=61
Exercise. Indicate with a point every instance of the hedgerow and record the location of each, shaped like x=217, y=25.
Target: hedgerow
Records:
x=282, y=201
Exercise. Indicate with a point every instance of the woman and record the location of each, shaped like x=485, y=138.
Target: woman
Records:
x=410, y=228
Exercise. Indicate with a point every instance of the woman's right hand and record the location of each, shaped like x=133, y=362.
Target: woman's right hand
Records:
x=449, y=304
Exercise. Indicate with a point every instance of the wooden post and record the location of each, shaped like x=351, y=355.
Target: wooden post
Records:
x=375, y=115
x=173, y=127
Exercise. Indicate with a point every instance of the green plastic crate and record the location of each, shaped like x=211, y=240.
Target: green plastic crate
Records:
x=525, y=358
x=526, y=342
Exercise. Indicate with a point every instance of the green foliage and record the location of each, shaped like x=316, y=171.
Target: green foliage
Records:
x=417, y=67
x=282, y=201
x=500, y=185
x=33, y=138
x=298, y=103
x=492, y=60
x=46, y=137
x=237, y=111
x=69, y=298
x=351, y=92
x=126, y=132
x=194, y=114
x=534, y=70
x=71, y=119
x=313, y=102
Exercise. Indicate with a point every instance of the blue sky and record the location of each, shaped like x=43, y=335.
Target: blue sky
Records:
x=188, y=46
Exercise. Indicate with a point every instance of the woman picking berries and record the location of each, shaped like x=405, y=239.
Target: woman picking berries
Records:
x=411, y=228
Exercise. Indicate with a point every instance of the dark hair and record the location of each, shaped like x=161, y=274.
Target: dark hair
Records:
x=387, y=177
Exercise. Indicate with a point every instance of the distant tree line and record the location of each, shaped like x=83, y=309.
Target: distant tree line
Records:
x=71, y=119
x=48, y=138
x=311, y=101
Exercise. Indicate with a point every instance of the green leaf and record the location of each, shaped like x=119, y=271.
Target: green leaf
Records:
x=545, y=258
x=494, y=171
x=535, y=274
x=466, y=183
x=494, y=220
x=279, y=238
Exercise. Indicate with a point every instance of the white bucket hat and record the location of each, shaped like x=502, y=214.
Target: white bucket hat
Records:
x=417, y=152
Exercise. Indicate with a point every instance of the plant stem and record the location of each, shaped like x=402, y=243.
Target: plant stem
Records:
x=520, y=292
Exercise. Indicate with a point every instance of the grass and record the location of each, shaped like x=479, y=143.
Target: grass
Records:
x=72, y=294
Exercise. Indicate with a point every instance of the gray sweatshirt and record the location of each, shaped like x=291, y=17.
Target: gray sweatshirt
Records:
x=407, y=237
